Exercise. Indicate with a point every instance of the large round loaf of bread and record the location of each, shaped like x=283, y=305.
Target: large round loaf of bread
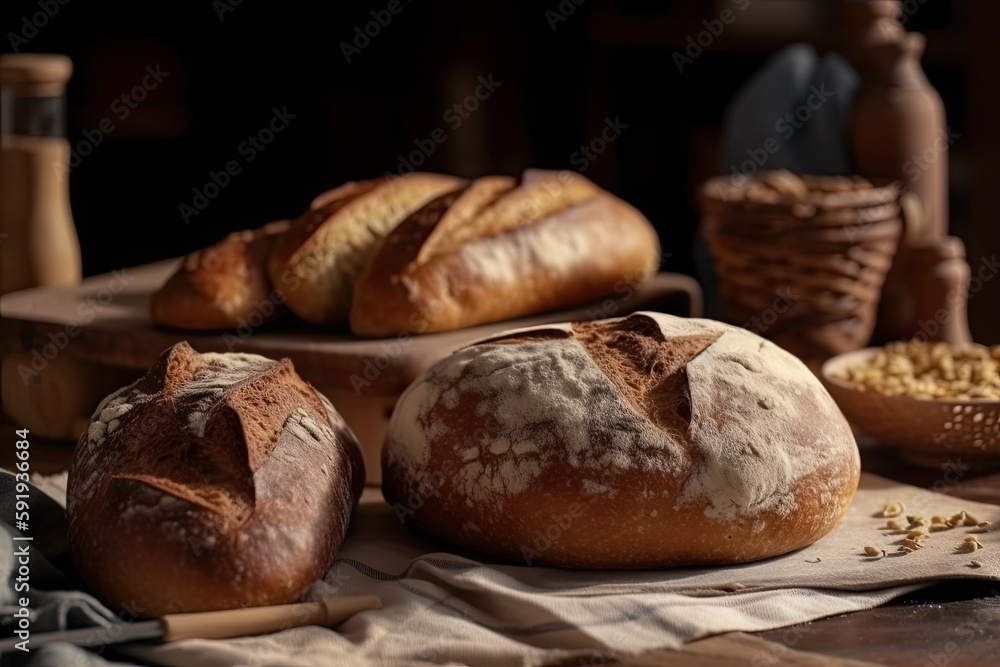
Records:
x=215, y=481
x=644, y=441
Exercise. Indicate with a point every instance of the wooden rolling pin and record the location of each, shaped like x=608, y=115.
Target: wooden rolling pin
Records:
x=210, y=624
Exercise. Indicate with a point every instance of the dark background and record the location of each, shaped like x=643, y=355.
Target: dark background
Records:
x=230, y=65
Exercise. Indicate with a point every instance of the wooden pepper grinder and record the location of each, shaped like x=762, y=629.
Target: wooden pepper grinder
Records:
x=39, y=245
x=898, y=133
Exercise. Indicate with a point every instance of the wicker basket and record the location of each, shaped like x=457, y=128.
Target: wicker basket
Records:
x=802, y=260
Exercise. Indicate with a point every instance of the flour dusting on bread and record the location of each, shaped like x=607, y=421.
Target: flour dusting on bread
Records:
x=535, y=403
x=591, y=401
x=754, y=407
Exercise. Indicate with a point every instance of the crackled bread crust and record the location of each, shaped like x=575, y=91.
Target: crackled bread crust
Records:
x=419, y=253
x=317, y=262
x=645, y=441
x=499, y=249
x=215, y=481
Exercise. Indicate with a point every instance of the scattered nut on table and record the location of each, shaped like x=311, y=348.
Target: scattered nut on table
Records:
x=873, y=552
x=895, y=508
x=963, y=518
x=969, y=544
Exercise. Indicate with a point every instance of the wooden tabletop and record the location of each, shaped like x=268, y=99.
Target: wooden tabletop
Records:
x=950, y=624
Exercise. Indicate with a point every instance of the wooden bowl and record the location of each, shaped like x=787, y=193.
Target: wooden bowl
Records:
x=927, y=431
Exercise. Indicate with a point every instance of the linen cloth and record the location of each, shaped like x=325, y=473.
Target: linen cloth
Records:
x=445, y=606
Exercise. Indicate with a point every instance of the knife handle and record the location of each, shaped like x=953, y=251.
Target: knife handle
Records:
x=258, y=620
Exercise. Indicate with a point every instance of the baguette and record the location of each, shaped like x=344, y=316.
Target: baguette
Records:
x=223, y=286
x=496, y=250
x=315, y=264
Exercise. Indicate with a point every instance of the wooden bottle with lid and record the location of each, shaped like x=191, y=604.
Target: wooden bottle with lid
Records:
x=898, y=121
x=899, y=134
x=38, y=245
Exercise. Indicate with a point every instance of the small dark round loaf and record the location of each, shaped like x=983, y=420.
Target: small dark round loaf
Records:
x=646, y=441
x=215, y=481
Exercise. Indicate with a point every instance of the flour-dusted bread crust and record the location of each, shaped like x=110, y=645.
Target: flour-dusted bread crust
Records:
x=316, y=263
x=645, y=441
x=215, y=481
x=224, y=286
x=499, y=249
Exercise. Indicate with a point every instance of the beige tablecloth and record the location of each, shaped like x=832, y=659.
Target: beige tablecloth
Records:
x=441, y=606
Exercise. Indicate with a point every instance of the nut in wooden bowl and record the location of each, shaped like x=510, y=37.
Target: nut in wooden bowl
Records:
x=931, y=401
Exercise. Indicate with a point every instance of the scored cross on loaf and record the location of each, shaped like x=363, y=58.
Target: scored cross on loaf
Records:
x=645, y=441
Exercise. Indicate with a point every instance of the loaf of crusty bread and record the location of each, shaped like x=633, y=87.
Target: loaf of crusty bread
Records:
x=496, y=249
x=420, y=253
x=215, y=481
x=645, y=441
x=316, y=263
x=224, y=286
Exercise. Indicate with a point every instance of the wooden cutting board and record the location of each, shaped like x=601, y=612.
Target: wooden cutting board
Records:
x=105, y=320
